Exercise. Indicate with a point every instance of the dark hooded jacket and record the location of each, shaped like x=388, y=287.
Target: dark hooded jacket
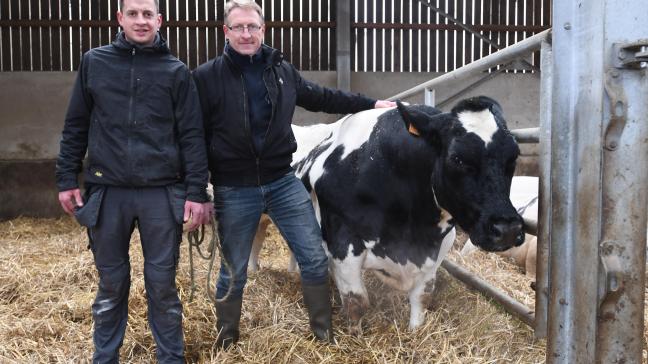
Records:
x=136, y=111
x=234, y=160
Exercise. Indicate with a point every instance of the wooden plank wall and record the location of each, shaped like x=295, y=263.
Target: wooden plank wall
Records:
x=387, y=36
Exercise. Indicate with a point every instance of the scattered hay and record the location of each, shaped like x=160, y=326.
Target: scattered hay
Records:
x=48, y=282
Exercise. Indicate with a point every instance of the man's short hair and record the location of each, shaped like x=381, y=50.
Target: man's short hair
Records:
x=242, y=4
x=157, y=5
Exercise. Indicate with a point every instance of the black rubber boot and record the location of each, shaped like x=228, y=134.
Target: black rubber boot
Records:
x=228, y=316
x=318, y=304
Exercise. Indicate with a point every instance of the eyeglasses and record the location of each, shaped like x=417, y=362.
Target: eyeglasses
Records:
x=251, y=28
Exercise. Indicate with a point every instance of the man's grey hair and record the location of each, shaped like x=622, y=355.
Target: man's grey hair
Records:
x=157, y=5
x=242, y=4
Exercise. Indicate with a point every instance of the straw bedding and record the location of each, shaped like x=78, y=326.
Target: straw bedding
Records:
x=48, y=282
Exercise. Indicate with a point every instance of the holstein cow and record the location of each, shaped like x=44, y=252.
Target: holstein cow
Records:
x=389, y=185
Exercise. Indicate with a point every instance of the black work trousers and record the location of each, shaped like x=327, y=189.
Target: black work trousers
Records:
x=150, y=210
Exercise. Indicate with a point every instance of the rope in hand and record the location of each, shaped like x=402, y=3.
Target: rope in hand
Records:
x=196, y=238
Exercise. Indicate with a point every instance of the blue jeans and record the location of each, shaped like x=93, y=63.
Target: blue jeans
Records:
x=286, y=201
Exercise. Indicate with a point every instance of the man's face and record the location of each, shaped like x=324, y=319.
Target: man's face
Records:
x=239, y=33
x=140, y=21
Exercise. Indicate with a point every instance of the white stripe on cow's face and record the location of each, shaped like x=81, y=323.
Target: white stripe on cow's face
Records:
x=481, y=123
x=351, y=134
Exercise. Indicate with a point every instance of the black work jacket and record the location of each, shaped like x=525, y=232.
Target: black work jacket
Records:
x=233, y=161
x=136, y=111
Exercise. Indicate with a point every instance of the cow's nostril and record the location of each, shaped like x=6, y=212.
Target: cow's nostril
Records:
x=498, y=230
x=507, y=231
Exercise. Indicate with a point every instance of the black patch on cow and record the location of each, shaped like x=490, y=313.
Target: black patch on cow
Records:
x=307, y=162
x=381, y=192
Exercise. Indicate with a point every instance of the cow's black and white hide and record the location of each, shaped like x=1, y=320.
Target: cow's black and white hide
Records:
x=388, y=199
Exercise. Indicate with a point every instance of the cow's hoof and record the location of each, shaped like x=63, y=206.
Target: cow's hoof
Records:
x=355, y=306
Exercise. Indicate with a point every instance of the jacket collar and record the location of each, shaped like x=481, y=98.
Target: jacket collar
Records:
x=159, y=44
x=270, y=56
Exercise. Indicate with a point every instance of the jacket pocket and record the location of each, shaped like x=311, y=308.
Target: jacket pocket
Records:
x=177, y=196
x=88, y=214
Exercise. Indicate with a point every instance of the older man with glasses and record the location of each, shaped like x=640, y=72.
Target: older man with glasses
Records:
x=248, y=97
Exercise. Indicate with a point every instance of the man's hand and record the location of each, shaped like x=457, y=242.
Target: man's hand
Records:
x=196, y=212
x=69, y=200
x=209, y=212
x=384, y=103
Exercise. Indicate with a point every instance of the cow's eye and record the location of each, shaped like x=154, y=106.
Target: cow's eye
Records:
x=457, y=160
x=461, y=164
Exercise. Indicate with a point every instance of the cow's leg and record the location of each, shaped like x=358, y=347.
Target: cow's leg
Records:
x=417, y=311
x=348, y=279
x=257, y=244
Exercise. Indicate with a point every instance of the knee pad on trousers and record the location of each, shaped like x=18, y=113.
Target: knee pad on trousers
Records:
x=161, y=290
x=112, y=295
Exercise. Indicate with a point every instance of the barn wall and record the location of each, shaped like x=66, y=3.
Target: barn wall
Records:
x=33, y=108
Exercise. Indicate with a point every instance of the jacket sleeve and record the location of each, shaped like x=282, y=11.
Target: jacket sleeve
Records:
x=191, y=137
x=203, y=97
x=74, y=141
x=313, y=97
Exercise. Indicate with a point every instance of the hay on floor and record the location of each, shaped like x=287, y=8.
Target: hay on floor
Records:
x=48, y=282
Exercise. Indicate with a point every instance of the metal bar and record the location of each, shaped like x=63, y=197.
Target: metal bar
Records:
x=531, y=227
x=510, y=305
x=480, y=81
x=429, y=97
x=544, y=193
x=328, y=36
x=503, y=56
x=625, y=192
x=459, y=24
x=526, y=135
x=576, y=117
x=343, y=42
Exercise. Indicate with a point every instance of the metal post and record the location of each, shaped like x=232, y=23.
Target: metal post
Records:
x=343, y=44
x=576, y=159
x=544, y=193
x=430, y=96
x=625, y=196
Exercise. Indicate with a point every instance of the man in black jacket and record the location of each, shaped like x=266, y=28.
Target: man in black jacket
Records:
x=135, y=109
x=248, y=97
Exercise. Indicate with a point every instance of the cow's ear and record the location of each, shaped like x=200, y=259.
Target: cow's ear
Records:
x=420, y=123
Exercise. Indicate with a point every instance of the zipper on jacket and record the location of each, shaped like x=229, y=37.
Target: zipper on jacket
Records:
x=131, y=112
x=248, y=129
x=272, y=113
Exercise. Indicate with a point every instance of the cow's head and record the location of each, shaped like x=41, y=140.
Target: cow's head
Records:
x=473, y=168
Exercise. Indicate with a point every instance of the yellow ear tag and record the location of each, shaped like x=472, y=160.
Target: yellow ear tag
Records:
x=413, y=130
x=98, y=174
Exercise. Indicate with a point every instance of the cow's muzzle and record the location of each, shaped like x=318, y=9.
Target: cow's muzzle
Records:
x=506, y=234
